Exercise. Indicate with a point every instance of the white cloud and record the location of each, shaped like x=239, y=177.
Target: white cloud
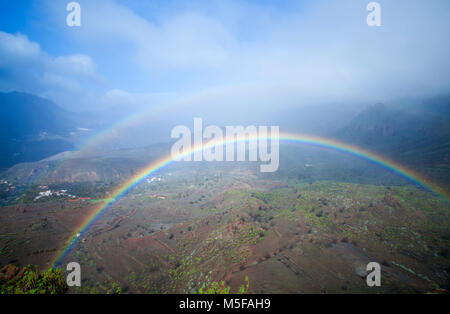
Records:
x=76, y=65
x=323, y=50
x=25, y=67
x=120, y=99
x=240, y=54
x=17, y=46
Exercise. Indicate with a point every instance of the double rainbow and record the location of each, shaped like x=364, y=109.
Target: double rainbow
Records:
x=159, y=164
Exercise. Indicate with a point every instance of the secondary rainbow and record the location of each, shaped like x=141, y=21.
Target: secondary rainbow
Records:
x=159, y=164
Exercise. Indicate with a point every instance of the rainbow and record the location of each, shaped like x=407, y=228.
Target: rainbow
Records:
x=159, y=164
x=138, y=116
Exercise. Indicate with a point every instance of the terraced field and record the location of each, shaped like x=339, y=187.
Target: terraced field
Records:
x=203, y=224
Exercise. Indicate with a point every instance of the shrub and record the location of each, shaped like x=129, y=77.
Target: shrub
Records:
x=222, y=288
x=32, y=282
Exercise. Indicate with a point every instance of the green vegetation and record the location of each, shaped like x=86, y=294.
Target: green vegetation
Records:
x=99, y=288
x=220, y=288
x=33, y=282
x=292, y=229
x=215, y=288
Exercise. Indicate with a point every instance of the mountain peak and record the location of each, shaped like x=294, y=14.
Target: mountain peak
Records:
x=36, y=116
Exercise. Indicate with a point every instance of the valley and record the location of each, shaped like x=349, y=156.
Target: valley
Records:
x=224, y=147
x=198, y=223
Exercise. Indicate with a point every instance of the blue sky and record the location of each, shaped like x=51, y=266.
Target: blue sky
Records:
x=142, y=53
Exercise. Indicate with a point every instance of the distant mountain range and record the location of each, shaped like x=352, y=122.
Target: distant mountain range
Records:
x=33, y=129
x=380, y=127
x=418, y=136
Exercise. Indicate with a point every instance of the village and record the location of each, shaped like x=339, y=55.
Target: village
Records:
x=46, y=193
x=9, y=187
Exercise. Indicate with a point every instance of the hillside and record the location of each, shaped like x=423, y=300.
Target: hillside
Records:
x=418, y=136
x=33, y=128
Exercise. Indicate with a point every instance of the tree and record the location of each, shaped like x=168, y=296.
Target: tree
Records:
x=32, y=282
